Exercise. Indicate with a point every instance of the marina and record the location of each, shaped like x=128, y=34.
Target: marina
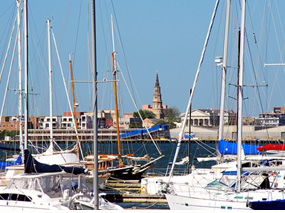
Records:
x=103, y=157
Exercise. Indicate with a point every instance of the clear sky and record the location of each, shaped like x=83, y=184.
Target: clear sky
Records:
x=150, y=35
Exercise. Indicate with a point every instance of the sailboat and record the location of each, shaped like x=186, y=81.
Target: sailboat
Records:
x=233, y=191
x=51, y=187
x=131, y=171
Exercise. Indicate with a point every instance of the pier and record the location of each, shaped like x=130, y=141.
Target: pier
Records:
x=130, y=192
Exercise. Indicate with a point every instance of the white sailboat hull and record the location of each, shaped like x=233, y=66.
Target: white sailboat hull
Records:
x=221, y=201
x=176, y=202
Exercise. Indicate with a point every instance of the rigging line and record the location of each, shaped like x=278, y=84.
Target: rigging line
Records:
x=107, y=58
x=66, y=91
x=254, y=73
x=277, y=40
x=8, y=48
x=217, y=43
x=252, y=25
x=8, y=81
x=76, y=38
x=206, y=147
x=280, y=25
x=193, y=88
x=156, y=146
x=124, y=54
x=7, y=28
x=2, y=14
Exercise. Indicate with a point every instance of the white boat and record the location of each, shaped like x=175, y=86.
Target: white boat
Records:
x=50, y=191
x=247, y=184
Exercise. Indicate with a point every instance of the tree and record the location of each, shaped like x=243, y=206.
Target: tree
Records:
x=170, y=116
x=135, y=125
x=144, y=113
x=160, y=122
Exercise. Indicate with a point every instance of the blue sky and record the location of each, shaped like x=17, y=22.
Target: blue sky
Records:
x=150, y=35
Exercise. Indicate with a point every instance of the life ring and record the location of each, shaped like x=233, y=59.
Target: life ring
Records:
x=143, y=190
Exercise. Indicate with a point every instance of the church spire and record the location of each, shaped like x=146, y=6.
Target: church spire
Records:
x=157, y=81
x=157, y=102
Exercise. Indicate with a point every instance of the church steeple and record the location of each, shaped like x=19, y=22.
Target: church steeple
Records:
x=157, y=102
x=157, y=81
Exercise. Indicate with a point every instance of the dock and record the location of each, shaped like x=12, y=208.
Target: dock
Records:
x=129, y=192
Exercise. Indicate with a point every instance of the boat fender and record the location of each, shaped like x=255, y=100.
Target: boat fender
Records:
x=66, y=194
x=143, y=190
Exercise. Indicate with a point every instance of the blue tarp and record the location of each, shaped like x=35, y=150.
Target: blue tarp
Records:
x=228, y=148
x=142, y=132
x=3, y=165
x=268, y=205
x=234, y=173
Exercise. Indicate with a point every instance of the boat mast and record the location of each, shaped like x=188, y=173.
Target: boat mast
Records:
x=193, y=89
x=224, y=74
x=74, y=105
x=240, y=96
x=26, y=73
x=115, y=93
x=50, y=87
x=95, y=125
x=20, y=105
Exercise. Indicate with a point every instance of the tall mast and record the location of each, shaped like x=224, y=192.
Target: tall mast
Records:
x=193, y=90
x=95, y=125
x=225, y=60
x=26, y=73
x=115, y=93
x=74, y=105
x=20, y=105
x=50, y=86
x=240, y=96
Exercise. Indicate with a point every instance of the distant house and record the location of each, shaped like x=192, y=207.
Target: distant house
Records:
x=272, y=119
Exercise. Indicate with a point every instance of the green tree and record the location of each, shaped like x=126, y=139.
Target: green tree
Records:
x=2, y=134
x=13, y=133
x=135, y=125
x=170, y=116
x=160, y=122
x=144, y=114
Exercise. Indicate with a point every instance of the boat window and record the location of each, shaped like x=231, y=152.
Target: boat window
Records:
x=21, y=184
x=50, y=185
x=4, y=196
x=218, y=185
x=24, y=198
x=15, y=197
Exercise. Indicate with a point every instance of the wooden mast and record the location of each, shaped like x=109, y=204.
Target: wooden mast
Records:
x=74, y=106
x=115, y=94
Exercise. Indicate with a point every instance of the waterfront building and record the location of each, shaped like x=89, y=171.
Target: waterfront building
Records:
x=208, y=117
x=272, y=119
x=9, y=123
x=84, y=121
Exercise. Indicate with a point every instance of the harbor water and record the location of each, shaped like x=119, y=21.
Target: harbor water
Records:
x=159, y=168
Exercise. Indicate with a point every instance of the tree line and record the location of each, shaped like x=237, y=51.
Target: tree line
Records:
x=170, y=117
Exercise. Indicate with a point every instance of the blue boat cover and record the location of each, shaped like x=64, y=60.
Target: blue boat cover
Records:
x=3, y=165
x=228, y=148
x=234, y=173
x=268, y=205
x=33, y=166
